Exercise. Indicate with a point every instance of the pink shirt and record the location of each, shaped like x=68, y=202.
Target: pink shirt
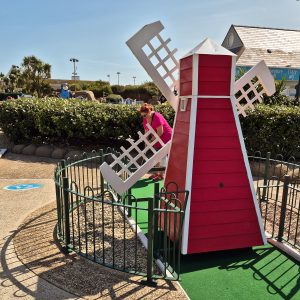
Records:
x=159, y=120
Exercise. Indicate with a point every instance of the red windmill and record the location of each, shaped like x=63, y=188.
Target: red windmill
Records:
x=208, y=156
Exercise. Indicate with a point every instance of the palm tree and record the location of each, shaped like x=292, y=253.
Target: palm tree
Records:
x=35, y=74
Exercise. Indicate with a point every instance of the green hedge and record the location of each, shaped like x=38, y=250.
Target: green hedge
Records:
x=71, y=121
x=272, y=128
x=267, y=128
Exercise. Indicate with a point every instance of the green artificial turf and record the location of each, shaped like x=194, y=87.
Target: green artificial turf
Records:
x=143, y=188
x=258, y=273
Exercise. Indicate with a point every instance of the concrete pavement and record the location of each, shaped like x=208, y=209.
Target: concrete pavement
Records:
x=16, y=281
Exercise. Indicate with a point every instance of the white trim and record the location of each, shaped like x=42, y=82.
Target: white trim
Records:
x=190, y=156
x=243, y=148
x=286, y=248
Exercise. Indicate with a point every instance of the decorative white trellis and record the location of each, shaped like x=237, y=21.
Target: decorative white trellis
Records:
x=251, y=87
x=158, y=60
x=142, y=160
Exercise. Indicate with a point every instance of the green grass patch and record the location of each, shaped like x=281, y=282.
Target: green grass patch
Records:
x=258, y=273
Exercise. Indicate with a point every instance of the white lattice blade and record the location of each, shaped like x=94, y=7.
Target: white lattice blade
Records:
x=261, y=71
x=136, y=44
x=265, y=79
x=121, y=186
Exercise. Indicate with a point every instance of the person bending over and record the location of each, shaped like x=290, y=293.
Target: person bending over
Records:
x=161, y=127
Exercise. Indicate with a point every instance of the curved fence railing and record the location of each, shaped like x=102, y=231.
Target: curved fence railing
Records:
x=124, y=232
x=278, y=192
x=142, y=235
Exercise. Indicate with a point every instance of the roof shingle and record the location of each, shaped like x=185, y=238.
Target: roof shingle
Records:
x=278, y=47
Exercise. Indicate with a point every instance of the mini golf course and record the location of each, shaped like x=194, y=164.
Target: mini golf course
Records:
x=258, y=273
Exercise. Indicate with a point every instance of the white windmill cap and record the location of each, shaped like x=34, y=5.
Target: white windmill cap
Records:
x=208, y=46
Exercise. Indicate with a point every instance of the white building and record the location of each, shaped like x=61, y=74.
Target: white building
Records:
x=279, y=48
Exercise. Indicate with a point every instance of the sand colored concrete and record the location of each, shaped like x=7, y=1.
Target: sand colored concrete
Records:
x=14, y=166
x=35, y=247
x=17, y=281
x=46, y=263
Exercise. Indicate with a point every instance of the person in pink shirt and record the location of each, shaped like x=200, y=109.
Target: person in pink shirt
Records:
x=162, y=128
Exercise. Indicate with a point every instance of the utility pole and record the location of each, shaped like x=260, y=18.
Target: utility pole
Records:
x=134, y=77
x=297, y=87
x=108, y=76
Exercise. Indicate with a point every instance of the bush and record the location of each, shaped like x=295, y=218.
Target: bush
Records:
x=143, y=92
x=278, y=98
x=272, y=128
x=71, y=121
x=114, y=99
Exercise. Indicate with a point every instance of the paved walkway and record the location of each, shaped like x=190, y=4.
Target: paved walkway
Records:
x=41, y=255
x=16, y=281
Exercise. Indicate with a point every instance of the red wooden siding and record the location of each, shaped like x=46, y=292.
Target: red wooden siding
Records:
x=178, y=153
x=177, y=163
x=225, y=243
x=222, y=213
x=214, y=75
x=186, y=76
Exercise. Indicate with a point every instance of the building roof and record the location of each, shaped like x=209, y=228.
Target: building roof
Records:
x=278, y=47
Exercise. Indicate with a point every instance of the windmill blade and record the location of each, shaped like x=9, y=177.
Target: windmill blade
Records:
x=153, y=53
x=249, y=89
x=122, y=165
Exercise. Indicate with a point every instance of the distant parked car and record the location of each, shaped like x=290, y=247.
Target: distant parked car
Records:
x=26, y=96
x=10, y=96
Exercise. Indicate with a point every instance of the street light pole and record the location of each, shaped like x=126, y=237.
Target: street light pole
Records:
x=74, y=61
x=118, y=73
x=108, y=76
x=134, y=77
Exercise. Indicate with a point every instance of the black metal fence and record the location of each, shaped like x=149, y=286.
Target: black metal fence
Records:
x=122, y=232
x=129, y=233
x=278, y=191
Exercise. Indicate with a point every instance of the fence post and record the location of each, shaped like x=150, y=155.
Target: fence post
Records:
x=58, y=204
x=155, y=225
x=283, y=207
x=266, y=175
x=66, y=213
x=63, y=168
x=101, y=177
x=129, y=203
x=149, y=280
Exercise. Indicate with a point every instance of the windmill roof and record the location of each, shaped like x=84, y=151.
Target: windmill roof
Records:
x=208, y=46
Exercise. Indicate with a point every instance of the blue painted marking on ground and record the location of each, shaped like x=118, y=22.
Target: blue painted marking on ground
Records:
x=23, y=187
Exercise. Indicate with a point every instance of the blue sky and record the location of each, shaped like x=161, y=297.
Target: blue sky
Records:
x=95, y=31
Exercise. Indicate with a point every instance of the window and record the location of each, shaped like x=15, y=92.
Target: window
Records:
x=183, y=104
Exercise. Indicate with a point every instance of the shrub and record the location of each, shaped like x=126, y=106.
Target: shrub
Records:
x=71, y=121
x=278, y=98
x=114, y=99
x=143, y=92
x=272, y=128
